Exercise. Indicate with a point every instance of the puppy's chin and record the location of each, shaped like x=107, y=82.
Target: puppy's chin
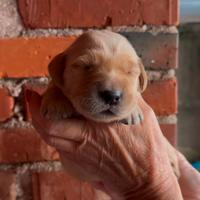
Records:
x=105, y=116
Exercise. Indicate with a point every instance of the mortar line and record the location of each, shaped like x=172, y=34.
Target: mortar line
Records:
x=34, y=166
x=41, y=32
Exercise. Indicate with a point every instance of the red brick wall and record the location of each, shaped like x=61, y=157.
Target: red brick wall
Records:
x=30, y=169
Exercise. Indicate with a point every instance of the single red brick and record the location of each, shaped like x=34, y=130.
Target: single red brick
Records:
x=162, y=96
x=158, y=51
x=23, y=57
x=8, y=185
x=6, y=104
x=167, y=12
x=58, y=185
x=175, y=11
x=24, y=145
x=170, y=132
x=87, y=13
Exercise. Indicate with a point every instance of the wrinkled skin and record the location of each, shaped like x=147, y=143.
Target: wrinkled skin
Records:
x=123, y=161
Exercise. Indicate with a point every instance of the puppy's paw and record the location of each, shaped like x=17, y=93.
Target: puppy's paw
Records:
x=56, y=110
x=55, y=105
x=135, y=118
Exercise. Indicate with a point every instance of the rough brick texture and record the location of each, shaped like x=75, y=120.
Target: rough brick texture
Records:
x=6, y=104
x=34, y=54
x=23, y=145
x=87, y=13
x=58, y=185
x=162, y=96
x=9, y=19
x=7, y=185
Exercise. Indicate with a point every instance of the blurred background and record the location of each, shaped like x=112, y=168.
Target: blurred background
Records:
x=189, y=79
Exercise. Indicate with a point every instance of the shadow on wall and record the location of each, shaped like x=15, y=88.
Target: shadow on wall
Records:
x=189, y=91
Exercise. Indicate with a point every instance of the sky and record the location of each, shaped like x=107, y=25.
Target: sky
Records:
x=190, y=11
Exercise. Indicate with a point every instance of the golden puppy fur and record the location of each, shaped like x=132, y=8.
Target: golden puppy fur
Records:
x=99, y=77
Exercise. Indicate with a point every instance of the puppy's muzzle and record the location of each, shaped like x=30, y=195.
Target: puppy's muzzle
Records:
x=111, y=97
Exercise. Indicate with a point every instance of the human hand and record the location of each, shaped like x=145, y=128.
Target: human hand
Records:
x=128, y=162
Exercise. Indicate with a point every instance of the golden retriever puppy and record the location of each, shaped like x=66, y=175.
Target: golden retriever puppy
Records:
x=98, y=77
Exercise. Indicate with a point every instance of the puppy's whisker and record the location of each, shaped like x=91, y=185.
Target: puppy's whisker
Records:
x=92, y=105
x=88, y=102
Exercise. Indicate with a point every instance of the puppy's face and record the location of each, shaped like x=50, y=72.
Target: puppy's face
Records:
x=101, y=75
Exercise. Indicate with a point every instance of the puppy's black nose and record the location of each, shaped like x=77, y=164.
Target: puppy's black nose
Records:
x=111, y=97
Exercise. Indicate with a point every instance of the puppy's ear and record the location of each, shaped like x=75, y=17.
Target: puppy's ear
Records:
x=143, y=77
x=56, y=68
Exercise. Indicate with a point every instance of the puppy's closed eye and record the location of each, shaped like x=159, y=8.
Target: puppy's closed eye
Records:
x=87, y=67
x=133, y=71
x=85, y=62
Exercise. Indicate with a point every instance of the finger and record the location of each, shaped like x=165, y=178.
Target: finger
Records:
x=34, y=102
x=189, y=180
x=71, y=129
x=186, y=166
x=61, y=144
x=41, y=131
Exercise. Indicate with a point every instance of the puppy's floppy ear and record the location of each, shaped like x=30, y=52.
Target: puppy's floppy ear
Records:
x=143, y=77
x=56, y=68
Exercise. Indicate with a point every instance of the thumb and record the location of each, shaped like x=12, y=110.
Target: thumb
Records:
x=34, y=102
